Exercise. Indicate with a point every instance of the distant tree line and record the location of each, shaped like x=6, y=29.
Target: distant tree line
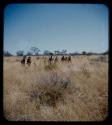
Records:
x=34, y=51
x=6, y=53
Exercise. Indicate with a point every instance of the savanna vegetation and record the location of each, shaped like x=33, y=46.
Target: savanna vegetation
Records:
x=60, y=91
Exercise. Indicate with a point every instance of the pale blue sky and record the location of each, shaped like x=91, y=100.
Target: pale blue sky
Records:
x=75, y=27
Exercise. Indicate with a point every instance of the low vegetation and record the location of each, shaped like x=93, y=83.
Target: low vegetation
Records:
x=76, y=91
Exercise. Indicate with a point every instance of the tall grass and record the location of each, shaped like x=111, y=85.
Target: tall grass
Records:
x=76, y=91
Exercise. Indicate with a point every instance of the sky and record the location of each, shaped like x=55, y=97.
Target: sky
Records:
x=74, y=27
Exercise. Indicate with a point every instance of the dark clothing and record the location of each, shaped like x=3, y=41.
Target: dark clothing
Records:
x=29, y=61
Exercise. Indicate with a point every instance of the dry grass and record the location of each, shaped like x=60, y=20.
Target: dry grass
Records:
x=76, y=91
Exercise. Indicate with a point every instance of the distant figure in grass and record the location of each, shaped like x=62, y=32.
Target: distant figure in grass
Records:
x=29, y=61
x=50, y=59
x=23, y=60
x=66, y=58
x=69, y=59
x=63, y=58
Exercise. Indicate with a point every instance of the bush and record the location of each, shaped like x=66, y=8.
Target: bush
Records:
x=6, y=53
x=50, y=66
x=85, y=71
x=49, y=90
x=101, y=58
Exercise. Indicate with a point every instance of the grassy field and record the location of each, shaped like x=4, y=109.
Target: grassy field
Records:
x=76, y=91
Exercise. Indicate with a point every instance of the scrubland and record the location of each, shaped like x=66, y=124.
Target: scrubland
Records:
x=62, y=91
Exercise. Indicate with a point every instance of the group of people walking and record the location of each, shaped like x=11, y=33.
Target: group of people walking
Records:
x=28, y=60
x=50, y=59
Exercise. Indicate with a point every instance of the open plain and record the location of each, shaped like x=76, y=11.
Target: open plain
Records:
x=61, y=91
